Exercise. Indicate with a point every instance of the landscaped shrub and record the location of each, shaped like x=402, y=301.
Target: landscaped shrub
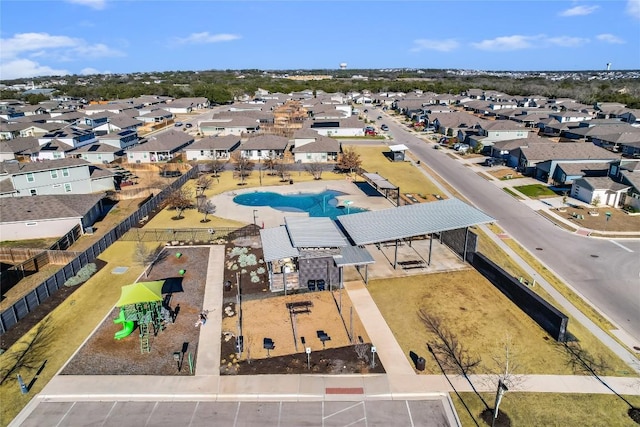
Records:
x=82, y=275
x=246, y=260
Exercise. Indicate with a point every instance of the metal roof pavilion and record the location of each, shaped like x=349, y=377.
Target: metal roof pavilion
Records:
x=379, y=181
x=276, y=244
x=314, y=232
x=411, y=220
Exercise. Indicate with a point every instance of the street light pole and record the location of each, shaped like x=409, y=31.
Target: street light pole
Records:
x=254, y=216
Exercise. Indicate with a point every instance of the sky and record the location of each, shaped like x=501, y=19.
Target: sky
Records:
x=61, y=37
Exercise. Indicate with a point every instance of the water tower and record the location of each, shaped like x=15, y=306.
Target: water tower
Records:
x=608, y=66
x=343, y=65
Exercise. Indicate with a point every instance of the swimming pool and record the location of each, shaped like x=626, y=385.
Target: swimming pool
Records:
x=319, y=204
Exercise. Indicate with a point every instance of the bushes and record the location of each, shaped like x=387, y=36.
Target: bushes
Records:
x=82, y=275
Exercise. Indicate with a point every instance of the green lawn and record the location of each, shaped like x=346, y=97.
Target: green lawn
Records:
x=535, y=191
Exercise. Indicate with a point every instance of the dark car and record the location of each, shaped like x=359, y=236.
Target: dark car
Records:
x=379, y=118
x=495, y=161
x=384, y=127
x=178, y=124
x=188, y=125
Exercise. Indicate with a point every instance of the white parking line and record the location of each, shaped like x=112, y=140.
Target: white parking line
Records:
x=623, y=247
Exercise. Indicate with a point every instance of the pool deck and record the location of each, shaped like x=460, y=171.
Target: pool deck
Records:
x=227, y=208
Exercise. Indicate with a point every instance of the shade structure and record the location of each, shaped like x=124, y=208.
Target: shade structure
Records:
x=140, y=292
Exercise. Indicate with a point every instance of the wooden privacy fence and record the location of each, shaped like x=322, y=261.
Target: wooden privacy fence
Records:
x=33, y=299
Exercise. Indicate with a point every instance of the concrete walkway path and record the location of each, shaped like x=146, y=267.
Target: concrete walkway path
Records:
x=388, y=350
x=209, y=343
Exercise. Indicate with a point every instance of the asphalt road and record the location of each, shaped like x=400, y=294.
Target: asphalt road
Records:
x=604, y=271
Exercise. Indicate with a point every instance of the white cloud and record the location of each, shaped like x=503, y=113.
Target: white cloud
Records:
x=633, y=8
x=446, y=45
x=94, y=4
x=579, y=11
x=22, y=68
x=566, y=41
x=520, y=42
x=205, y=37
x=609, y=38
x=90, y=71
x=515, y=42
x=21, y=50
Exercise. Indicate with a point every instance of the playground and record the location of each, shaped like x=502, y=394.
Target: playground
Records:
x=167, y=304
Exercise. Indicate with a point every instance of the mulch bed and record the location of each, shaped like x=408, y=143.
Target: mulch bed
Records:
x=341, y=360
x=103, y=355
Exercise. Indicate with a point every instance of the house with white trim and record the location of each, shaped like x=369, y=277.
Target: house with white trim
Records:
x=159, y=148
x=213, y=148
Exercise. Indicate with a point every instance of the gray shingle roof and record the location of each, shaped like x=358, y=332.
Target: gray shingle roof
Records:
x=567, y=151
x=18, y=209
x=322, y=144
x=411, y=220
x=18, y=168
x=216, y=143
x=266, y=142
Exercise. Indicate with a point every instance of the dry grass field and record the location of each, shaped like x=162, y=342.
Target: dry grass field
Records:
x=551, y=409
x=482, y=318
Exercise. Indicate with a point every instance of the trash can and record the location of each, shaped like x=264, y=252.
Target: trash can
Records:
x=420, y=363
x=290, y=181
x=227, y=285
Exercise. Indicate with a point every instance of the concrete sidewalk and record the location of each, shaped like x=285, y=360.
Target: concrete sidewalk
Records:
x=208, y=358
x=388, y=350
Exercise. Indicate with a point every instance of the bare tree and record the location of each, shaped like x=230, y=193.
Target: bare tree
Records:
x=28, y=354
x=283, y=171
x=350, y=160
x=216, y=166
x=315, y=169
x=362, y=351
x=271, y=163
x=208, y=208
x=504, y=364
x=143, y=256
x=448, y=349
x=179, y=200
x=243, y=168
x=203, y=183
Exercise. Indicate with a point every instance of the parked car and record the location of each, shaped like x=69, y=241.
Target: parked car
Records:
x=379, y=118
x=178, y=124
x=384, y=127
x=495, y=161
x=188, y=125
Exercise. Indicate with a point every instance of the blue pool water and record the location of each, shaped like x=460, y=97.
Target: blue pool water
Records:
x=319, y=204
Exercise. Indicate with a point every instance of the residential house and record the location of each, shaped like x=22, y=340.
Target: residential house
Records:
x=48, y=216
x=62, y=176
x=50, y=150
x=213, y=148
x=39, y=129
x=154, y=115
x=491, y=131
x=311, y=147
x=507, y=148
x=264, y=147
x=18, y=149
x=160, y=148
x=238, y=125
x=97, y=153
x=337, y=128
x=118, y=124
x=541, y=160
x=121, y=140
x=450, y=123
x=599, y=191
x=72, y=135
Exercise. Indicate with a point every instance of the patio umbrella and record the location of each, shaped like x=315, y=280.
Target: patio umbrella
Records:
x=140, y=292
